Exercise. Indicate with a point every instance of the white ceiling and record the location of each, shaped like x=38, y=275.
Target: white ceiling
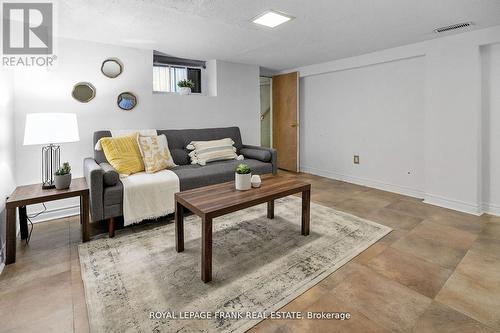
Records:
x=323, y=30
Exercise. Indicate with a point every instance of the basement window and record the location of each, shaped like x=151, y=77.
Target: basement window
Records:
x=168, y=71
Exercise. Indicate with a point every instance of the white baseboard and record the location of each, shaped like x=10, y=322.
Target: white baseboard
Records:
x=57, y=213
x=365, y=182
x=436, y=200
x=490, y=208
x=458, y=205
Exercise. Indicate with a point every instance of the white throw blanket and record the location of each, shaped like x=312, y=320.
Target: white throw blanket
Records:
x=148, y=196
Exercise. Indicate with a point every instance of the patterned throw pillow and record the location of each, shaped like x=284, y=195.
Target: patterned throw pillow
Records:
x=209, y=151
x=155, y=153
x=123, y=154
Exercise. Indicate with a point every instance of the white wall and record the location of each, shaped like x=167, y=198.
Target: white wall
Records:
x=360, y=112
x=236, y=104
x=453, y=118
x=7, y=160
x=41, y=90
x=491, y=127
x=442, y=126
x=443, y=78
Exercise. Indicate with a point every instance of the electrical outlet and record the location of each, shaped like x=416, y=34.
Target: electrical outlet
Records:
x=356, y=159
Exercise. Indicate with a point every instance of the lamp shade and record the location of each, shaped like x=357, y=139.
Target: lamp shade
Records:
x=50, y=128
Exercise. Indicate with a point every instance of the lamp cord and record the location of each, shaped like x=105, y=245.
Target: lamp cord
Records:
x=32, y=216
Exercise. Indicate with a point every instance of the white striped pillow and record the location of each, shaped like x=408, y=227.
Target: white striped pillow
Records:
x=209, y=151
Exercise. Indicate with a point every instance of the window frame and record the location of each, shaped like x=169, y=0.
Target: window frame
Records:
x=170, y=66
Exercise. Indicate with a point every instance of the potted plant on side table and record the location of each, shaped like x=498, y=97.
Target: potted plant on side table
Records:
x=185, y=87
x=243, y=176
x=63, y=177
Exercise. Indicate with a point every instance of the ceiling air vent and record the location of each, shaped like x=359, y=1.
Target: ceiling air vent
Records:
x=453, y=27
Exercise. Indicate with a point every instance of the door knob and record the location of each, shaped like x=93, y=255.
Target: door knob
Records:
x=295, y=125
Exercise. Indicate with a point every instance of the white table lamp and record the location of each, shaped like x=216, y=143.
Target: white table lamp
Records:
x=50, y=129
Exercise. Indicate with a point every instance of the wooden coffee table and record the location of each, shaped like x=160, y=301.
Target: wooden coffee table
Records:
x=216, y=200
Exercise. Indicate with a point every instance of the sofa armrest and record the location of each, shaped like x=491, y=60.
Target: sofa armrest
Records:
x=94, y=175
x=262, y=154
x=111, y=176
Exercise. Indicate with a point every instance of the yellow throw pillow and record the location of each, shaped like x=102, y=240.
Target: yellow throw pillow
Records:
x=155, y=153
x=123, y=154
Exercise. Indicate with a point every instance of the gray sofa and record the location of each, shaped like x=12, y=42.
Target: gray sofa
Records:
x=106, y=190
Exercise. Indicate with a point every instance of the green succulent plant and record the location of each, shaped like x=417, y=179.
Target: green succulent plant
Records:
x=65, y=169
x=243, y=169
x=185, y=84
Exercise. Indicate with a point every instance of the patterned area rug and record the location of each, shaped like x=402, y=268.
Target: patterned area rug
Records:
x=258, y=265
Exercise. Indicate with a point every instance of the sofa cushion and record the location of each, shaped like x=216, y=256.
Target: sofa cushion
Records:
x=99, y=154
x=179, y=139
x=111, y=176
x=192, y=176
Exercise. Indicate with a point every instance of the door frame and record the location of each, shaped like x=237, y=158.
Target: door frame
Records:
x=270, y=110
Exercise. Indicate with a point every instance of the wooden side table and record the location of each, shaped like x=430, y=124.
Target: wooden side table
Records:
x=33, y=194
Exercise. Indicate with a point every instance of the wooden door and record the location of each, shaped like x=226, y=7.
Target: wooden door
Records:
x=285, y=120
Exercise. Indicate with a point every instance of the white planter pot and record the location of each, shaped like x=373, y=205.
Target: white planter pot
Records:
x=184, y=91
x=243, y=182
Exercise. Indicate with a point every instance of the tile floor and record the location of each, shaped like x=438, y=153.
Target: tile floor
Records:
x=438, y=271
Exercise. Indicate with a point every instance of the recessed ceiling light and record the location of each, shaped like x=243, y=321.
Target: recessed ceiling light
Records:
x=272, y=19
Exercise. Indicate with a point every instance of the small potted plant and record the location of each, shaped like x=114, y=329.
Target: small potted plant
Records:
x=185, y=87
x=63, y=177
x=243, y=177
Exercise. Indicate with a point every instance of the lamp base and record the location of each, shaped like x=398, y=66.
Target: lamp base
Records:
x=48, y=186
x=50, y=164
